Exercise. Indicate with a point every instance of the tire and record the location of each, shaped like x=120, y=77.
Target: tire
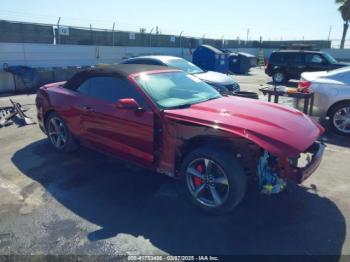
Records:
x=225, y=169
x=279, y=77
x=338, y=115
x=60, y=132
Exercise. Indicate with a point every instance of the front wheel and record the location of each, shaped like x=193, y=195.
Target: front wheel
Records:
x=214, y=179
x=340, y=119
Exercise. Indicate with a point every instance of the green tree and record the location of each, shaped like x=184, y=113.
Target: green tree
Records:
x=344, y=9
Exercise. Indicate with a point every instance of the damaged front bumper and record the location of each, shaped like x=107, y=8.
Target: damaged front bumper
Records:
x=300, y=168
x=273, y=172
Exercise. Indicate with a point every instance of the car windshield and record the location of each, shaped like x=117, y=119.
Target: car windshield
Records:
x=184, y=66
x=173, y=90
x=330, y=58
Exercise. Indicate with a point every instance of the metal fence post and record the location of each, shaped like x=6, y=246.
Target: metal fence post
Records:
x=58, y=31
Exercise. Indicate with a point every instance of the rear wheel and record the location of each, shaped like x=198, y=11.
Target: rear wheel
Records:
x=279, y=77
x=59, y=135
x=214, y=179
x=340, y=118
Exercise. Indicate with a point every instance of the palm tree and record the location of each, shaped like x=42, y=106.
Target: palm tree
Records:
x=344, y=9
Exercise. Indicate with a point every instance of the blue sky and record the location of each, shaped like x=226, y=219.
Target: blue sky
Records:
x=271, y=19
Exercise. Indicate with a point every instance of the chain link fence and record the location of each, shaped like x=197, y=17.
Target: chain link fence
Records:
x=21, y=32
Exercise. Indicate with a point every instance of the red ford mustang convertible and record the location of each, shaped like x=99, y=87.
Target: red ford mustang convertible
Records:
x=175, y=124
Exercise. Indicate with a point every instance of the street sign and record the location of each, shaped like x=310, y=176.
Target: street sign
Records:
x=132, y=36
x=63, y=30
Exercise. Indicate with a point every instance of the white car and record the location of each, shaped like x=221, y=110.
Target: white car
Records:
x=332, y=96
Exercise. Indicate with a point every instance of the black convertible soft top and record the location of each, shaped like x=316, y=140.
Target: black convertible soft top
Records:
x=121, y=70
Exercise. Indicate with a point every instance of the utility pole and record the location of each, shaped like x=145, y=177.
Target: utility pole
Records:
x=248, y=31
x=180, y=41
x=203, y=38
x=91, y=34
x=329, y=34
x=150, y=37
x=113, y=33
x=58, y=31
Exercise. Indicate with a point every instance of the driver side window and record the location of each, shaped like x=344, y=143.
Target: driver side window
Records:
x=314, y=59
x=109, y=89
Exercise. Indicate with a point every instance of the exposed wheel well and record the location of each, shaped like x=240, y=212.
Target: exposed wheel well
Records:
x=245, y=149
x=336, y=104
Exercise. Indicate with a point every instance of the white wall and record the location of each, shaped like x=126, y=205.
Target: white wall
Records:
x=47, y=55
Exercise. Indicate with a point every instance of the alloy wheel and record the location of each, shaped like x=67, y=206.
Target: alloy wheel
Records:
x=279, y=77
x=207, y=182
x=341, y=120
x=57, y=133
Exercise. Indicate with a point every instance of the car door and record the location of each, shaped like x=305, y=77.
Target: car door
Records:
x=316, y=62
x=295, y=64
x=125, y=132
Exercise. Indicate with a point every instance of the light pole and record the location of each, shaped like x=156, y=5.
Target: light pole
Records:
x=58, y=31
x=150, y=37
x=203, y=38
x=113, y=33
x=248, y=31
x=180, y=41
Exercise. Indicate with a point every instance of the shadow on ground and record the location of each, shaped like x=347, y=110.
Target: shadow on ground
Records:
x=124, y=199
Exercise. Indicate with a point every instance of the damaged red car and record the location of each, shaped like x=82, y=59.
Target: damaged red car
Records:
x=175, y=124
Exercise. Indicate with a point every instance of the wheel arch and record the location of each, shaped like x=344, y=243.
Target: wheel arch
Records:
x=47, y=113
x=242, y=148
x=331, y=108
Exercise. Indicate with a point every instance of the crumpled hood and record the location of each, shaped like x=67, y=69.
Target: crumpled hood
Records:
x=216, y=78
x=281, y=130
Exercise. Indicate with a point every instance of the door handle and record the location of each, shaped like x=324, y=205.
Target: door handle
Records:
x=88, y=108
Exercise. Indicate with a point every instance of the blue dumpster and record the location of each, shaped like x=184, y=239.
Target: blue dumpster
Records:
x=240, y=63
x=210, y=58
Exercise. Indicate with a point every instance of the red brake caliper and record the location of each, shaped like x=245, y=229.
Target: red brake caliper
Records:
x=197, y=180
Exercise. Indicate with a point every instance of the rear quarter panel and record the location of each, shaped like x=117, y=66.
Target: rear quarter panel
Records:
x=327, y=93
x=54, y=98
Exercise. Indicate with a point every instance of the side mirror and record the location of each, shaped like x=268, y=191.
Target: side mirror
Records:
x=128, y=103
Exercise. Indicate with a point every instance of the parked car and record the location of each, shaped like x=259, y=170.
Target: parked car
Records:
x=289, y=64
x=171, y=122
x=331, y=96
x=223, y=83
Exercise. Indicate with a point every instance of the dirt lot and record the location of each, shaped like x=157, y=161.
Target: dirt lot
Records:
x=87, y=203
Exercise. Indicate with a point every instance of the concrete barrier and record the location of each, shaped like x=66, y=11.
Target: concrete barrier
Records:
x=7, y=83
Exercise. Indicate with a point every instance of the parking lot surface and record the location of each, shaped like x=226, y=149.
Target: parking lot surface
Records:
x=89, y=203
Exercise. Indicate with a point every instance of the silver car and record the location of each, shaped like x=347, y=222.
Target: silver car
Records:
x=332, y=96
x=223, y=83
